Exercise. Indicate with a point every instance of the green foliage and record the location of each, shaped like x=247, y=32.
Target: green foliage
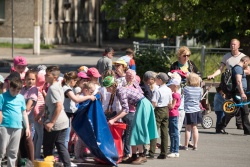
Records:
x=160, y=61
x=204, y=19
x=152, y=60
x=25, y=46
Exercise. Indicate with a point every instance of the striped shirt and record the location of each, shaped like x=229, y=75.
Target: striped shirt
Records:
x=127, y=97
x=192, y=97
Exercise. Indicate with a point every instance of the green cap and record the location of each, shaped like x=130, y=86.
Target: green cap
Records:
x=108, y=81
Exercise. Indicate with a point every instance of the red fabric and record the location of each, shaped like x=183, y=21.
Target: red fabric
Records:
x=183, y=74
x=117, y=131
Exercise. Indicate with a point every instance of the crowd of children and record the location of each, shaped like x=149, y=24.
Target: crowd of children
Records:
x=36, y=108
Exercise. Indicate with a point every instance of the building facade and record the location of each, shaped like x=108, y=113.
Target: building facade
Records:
x=60, y=21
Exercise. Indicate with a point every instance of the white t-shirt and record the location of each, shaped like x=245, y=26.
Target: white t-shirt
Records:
x=230, y=61
x=69, y=105
x=105, y=100
x=162, y=96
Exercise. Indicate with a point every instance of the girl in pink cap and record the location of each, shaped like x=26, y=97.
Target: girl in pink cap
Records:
x=20, y=66
x=94, y=77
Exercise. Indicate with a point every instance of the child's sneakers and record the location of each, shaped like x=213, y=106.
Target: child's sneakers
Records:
x=173, y=155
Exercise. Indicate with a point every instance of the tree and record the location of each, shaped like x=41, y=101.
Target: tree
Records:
x=204, y=19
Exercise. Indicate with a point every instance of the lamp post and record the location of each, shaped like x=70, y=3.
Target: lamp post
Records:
x=36, y=39
x=12, y=48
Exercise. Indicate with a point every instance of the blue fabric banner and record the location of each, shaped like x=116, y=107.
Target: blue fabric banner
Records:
x=91, y=126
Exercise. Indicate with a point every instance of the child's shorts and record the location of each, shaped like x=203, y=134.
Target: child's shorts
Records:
x=193, y=118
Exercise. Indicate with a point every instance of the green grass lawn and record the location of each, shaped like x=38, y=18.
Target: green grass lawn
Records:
x=25, y=46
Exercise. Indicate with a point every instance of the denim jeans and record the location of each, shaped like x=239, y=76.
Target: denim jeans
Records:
x=128, y=119
x=38, y=139
x=56, y=138
x=174, y=134
x=220, y=115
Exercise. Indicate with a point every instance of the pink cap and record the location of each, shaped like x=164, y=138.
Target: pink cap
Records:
x=93, y=72
x=83, y=75
x=20, y=60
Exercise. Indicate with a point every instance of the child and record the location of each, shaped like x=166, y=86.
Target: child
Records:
x=56, y=121
x=94, y=76
x=219, y=99
x=144, y=121
x=1, y=84
x=192, y=96
x=20, y=66
x=109, y=104
x=69, y=82
x=80, y=148
x=13, y=109
x=30, y=93
x=38, y=112
x=162, y=98
x=173, y=119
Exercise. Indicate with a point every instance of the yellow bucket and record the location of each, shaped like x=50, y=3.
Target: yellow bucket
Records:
x=47, y=162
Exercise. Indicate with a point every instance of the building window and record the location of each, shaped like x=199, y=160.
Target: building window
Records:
x=2, y=11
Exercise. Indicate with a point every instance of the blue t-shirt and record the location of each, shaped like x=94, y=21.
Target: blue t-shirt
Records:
x=12, y=108
x=238, y=70
x=218, y=102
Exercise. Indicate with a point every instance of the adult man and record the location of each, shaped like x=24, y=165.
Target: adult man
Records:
x=239, y=85
x=229, y=60
x=56, y=121
x=105, y=63
x=128, y=58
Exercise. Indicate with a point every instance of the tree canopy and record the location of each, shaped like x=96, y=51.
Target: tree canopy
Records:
x=203, y=19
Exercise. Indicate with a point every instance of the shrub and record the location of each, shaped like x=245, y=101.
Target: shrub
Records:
x=152, y=60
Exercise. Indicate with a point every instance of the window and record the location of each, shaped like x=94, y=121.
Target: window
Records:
x=2, y=10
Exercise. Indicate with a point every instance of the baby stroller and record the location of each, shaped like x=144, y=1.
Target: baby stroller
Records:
x=207, y=121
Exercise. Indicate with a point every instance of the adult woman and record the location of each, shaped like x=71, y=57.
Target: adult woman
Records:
x=144, y=121
x=186, y=66
x=120, y=70
x=183, y=63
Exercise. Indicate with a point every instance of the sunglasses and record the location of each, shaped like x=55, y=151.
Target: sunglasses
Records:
x=186, y=56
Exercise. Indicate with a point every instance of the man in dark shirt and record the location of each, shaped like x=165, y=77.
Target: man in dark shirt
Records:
x=239, y=85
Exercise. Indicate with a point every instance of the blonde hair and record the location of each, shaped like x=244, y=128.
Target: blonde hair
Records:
x=183, y=50
x=88, y=85
x=234, y=39
x=193, y=79
x=108, y=73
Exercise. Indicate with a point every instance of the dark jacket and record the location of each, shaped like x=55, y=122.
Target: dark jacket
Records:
x=191, y=67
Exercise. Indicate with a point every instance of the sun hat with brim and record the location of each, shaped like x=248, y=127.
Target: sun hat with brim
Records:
x=120, y=62
x=108, y=81
x=1, y=79
x=83, y=75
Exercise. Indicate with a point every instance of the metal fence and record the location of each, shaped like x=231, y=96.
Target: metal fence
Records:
x=203, y=51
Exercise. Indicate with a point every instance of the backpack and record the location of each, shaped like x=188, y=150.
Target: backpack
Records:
x=226, y=83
